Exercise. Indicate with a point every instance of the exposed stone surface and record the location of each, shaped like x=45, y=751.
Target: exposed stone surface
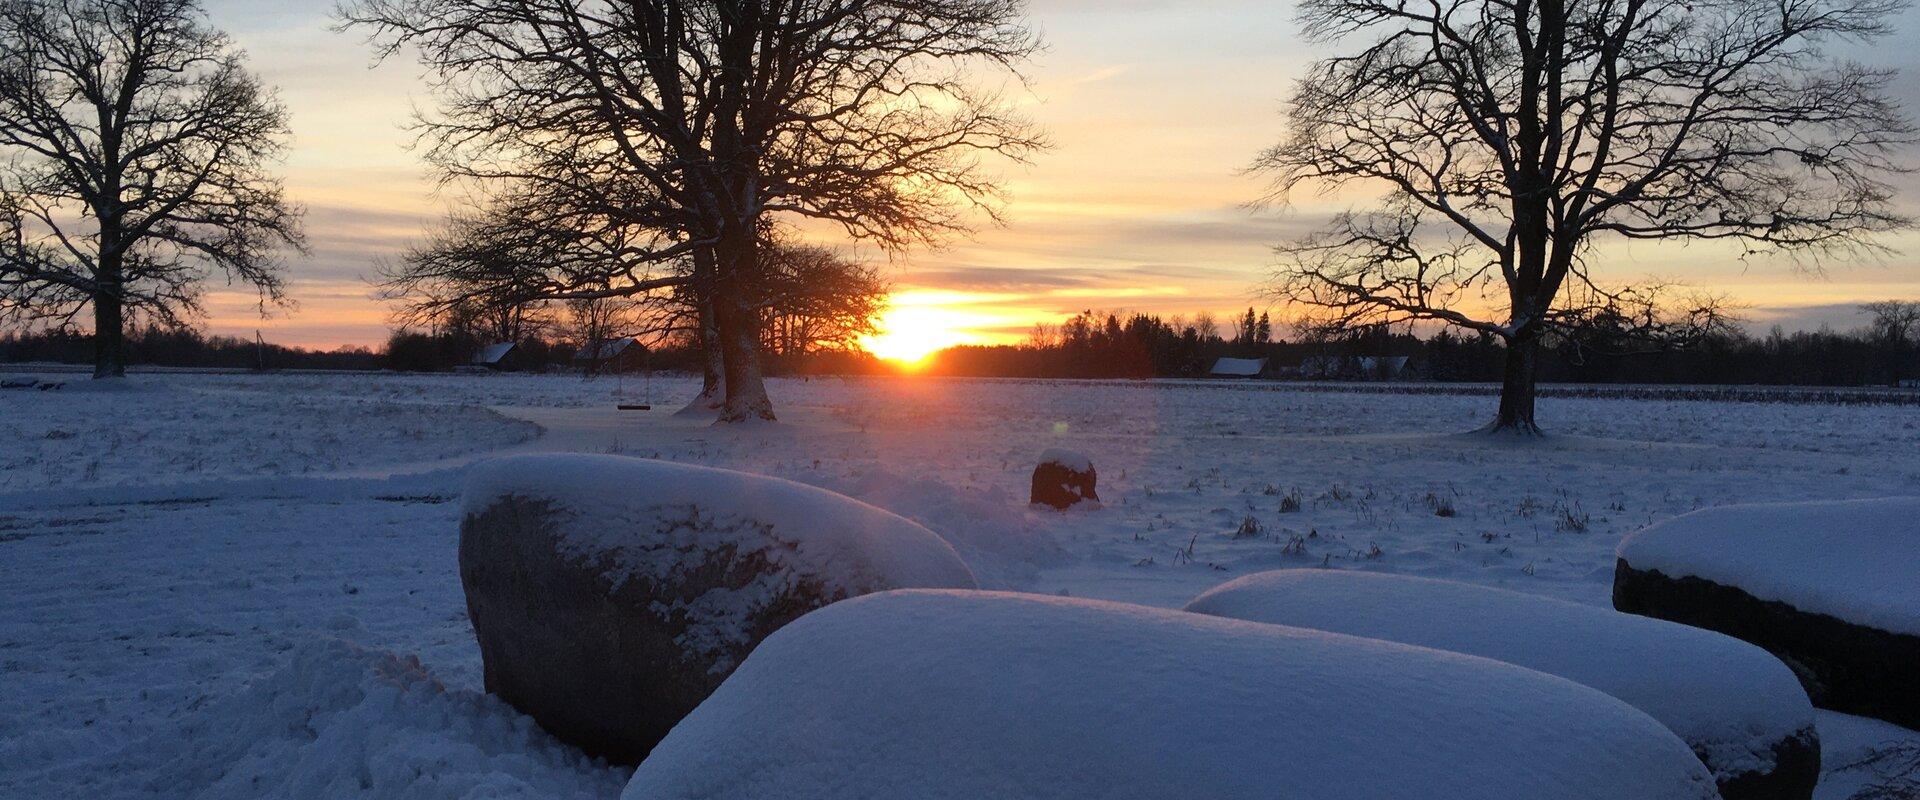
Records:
x=1844, y=666
x=607, y=616
x=1064, y=479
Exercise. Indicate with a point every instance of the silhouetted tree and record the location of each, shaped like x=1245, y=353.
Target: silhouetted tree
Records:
x=1511, y=137
x=816, y=299
x=1894, y=325
x=731, y=113
x=134, y=157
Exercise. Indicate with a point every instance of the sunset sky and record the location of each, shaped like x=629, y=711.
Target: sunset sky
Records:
x=1153, y=108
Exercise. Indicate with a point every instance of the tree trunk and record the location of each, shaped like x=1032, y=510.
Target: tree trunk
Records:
x=109, y=327
x=746, y=391
x=713, y=382
x=739, y=324
x=1517, y=388
x=713, y=377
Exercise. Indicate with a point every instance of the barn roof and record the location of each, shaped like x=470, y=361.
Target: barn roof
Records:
x=1239, y=367
x=612, y=348
x=491, y=354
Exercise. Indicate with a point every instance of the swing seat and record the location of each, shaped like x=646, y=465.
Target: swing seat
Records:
x=634, y=407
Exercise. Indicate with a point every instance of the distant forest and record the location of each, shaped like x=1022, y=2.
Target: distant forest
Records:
x=1113, y=345
x=404, y=351
x=1091, y=345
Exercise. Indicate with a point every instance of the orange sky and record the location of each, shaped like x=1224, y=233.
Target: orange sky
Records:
x=1153, y=107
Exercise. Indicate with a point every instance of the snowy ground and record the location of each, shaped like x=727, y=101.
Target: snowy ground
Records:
x=163, y=546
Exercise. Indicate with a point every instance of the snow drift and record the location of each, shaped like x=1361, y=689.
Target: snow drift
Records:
x=1740, y=709
x=993, y=532
x=337, y=720
x=932, y=694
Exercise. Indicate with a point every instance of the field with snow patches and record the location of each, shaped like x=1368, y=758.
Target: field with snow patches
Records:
x=181, y=557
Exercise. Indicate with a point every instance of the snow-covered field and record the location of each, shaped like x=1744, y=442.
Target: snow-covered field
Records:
x=175, y=556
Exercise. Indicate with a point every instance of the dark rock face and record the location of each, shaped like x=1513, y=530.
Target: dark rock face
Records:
x=1844, y=666
x=607, y=664
x=1796, y=769
x=1063, y=485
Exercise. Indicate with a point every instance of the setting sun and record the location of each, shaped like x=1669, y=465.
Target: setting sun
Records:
x=921, y=323
x=909, y=334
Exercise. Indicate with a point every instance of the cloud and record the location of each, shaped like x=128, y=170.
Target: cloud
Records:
x=993, y=279
x=1838, y=316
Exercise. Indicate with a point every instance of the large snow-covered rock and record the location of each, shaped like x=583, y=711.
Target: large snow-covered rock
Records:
x=1833, y=588
x=934, y=695
x=1737, y=706
x=611, y=595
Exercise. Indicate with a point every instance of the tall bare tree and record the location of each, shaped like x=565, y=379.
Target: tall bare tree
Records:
x=1511, y=136
x=134, y=158
x=510, y=256
x=1895, y=325
x=728, y=114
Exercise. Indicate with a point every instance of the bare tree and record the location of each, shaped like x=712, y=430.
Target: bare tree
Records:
x=597, y=321
x=1894, y=326
x=1510, y=138
x=729, y=113
x=1206, y=325
x=134, y=149
x=817, y=299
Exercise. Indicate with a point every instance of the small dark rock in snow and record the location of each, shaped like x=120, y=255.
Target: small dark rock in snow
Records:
x=611, y=595
x=1063, y=479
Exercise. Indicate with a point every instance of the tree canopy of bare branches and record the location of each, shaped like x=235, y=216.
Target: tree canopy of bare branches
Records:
x=1895, y=325
x=817, y=299
x=704, y=122
x=1508, y=137
x=134, y=157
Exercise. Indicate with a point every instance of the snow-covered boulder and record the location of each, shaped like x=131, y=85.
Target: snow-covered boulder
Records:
x=611, y=595
x=934, y=695
x=1739, y=708
x=1064, y=478
x=1833, y=588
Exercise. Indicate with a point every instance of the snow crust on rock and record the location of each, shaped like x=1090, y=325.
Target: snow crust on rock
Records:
x=1730, y=700
x=339, y=721
x=941, y=694
x=640, y=519
x=1856, y=560
x=1071, y=459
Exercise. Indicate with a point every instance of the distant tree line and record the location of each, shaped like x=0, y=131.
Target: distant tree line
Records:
x=1886, y=351
x=404, y=351
x=1113, y=345
x=181, y=347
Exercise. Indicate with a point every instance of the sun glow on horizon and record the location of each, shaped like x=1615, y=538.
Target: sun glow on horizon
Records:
x=920, y=324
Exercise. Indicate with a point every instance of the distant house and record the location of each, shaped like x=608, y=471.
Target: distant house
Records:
x=1353, y=367
x=498, y=357
x=1238, y=368
x=625, y=354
